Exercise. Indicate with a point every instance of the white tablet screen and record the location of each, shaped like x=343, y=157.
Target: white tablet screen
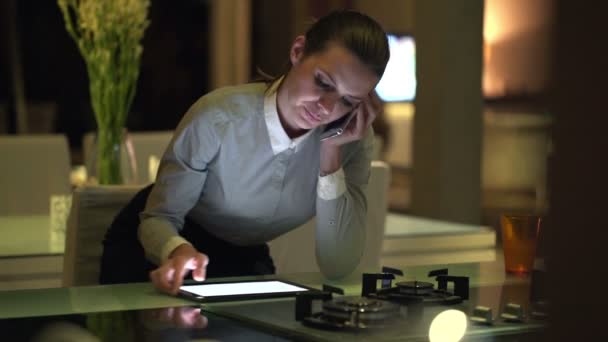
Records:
x=231, y=289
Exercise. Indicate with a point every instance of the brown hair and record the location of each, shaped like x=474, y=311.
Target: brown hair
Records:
x=355, y=31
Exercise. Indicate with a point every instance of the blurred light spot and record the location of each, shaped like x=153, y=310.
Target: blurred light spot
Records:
x=448, y=326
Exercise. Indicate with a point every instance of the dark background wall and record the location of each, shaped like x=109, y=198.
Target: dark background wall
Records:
x=577, y=232
x=174, y=66
x=271, y=55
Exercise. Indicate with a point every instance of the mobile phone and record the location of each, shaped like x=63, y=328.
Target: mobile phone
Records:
x=240, y=290
x=337, y=127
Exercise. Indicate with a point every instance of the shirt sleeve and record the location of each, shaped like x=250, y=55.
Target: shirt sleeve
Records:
x=331, y=186
x=341, y=211
x=181, y=176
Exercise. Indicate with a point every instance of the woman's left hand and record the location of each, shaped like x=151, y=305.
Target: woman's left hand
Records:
x=365, y=114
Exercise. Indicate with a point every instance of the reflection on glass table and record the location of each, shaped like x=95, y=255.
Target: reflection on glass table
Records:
x=162, y=324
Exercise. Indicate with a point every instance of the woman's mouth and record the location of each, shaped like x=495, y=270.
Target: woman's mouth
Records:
x=311, y=117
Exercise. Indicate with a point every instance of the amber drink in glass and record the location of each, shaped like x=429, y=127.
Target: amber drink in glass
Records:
x=519, y=240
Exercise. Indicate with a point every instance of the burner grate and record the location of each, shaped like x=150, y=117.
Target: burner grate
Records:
x=415, y=288
x=357, y=309
x=412, y=292
x=356, y=313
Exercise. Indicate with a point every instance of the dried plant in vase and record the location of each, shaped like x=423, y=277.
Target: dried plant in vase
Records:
x=108, y=34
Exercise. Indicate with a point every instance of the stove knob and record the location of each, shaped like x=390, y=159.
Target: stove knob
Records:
x=482, y=315
x=539, y=310
x=513, y=313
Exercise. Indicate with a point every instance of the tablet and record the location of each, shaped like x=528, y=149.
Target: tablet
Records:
x=241, y=290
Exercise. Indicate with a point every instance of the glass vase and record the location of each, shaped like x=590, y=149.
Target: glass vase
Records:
x=113, y=158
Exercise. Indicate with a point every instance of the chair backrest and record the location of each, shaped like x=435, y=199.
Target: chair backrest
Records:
x=93, y=209
x=34, y=167
x=295, y=251
x=378, y=153
x=147, y=146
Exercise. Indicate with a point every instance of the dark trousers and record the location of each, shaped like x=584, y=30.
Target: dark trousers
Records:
x=124, y=261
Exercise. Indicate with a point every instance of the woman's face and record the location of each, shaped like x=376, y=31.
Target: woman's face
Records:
x=321, y=87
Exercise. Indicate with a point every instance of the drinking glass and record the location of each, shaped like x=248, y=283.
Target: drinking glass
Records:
x=519, y=240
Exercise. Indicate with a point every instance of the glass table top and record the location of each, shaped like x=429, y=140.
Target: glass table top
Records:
x=258, y=320
x=140, y=313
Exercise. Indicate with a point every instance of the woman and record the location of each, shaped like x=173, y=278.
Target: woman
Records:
x=246, y=165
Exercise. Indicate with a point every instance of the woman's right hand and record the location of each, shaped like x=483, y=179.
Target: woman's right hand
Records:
x=170, y=275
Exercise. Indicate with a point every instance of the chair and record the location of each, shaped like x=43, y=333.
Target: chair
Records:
x=93, y=209
x=295, y=251
x=378, y=153
x=34, y=167
x=148, y=147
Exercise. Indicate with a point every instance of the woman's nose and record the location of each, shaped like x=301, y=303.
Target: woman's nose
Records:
x=327, y=103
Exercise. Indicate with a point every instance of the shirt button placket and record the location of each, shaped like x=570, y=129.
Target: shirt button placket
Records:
x=280, y=170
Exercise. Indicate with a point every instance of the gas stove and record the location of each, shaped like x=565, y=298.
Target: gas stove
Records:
x=379, y=308
x=394, y=307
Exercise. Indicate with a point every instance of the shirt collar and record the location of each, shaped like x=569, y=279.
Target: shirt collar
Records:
x=279, y=140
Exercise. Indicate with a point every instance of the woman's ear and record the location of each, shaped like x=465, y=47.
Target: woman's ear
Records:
x=297, y=50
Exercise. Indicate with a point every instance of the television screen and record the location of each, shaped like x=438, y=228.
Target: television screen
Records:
x=399, y=80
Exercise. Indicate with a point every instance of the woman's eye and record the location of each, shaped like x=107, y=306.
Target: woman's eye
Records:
x=346, y=102
x=321, y=84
